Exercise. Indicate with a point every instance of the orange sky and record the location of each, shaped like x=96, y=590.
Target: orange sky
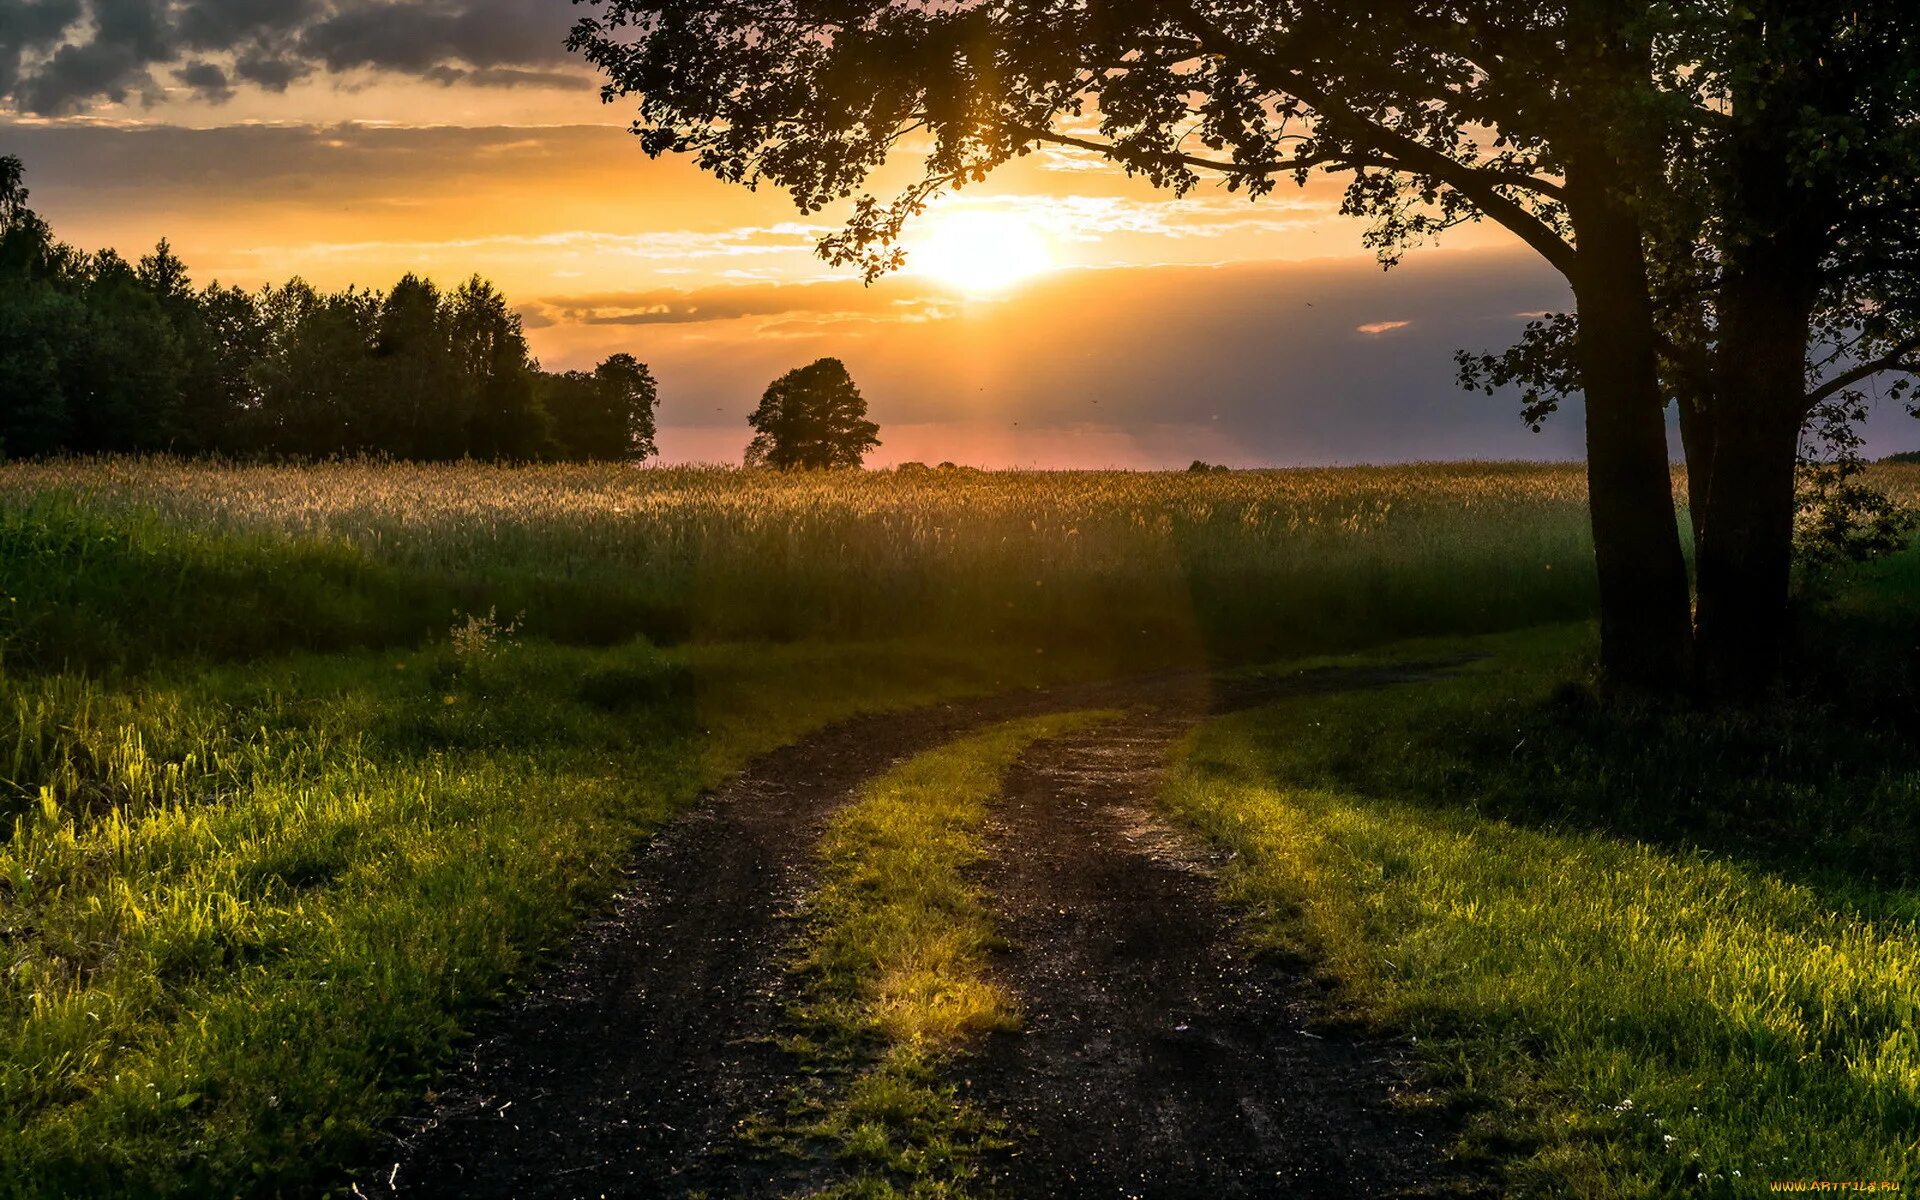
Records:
x=1290, y=346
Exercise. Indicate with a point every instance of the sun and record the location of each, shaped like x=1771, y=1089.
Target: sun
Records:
x=980, y=252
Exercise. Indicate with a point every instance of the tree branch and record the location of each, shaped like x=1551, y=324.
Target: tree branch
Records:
x=1482, y=187
x=1895, y=359
x=1195, y=161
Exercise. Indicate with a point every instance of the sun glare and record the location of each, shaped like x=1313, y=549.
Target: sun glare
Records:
x=981, y=252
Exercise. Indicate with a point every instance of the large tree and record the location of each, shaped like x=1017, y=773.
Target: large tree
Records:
x=606, y=413
x=1435, y=114
x=1784, y=264
x=1571, y=124
x=1812, y=166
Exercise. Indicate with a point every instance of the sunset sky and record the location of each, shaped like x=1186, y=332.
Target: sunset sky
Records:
x=348, y=141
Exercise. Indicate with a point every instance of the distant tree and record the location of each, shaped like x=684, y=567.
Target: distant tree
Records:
x=123, y=378
x=498, y=375
x=221, y=402
x=26, y=243
x=39, y=323
x=218, y=333
x=812, y=417
x=317, y=381
x=417, y=405
x=164, y=275
x=606, y=413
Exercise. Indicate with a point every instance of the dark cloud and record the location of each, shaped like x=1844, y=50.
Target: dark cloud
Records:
x=418, y=35
x=92, y=70
x=270, y=69
x=507, y=77
x=81, y=170
x=227, y=24
x=208, y=79
x=30, y=26
x=60, y=56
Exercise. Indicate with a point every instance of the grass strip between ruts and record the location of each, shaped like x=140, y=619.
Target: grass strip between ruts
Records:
x=896, y=974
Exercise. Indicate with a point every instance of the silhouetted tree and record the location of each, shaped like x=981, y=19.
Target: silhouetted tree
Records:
x=221, y=401
x=1785, y=263
x=39, y=323
x=317, y=380
x=603, y=414
x=98, y=355
x=1563, y=123
x=26, y=244
x=123, y=380
x=497, y=376
x=812, y=416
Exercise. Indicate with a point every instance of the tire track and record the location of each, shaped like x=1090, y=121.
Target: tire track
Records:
x=1157, y=1059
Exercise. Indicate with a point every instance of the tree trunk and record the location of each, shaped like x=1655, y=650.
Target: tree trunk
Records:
x=1645, y=636
x=1776, y=232
x=1745, y=555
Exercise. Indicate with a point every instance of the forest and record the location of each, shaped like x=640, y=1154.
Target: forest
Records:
x=100, y=355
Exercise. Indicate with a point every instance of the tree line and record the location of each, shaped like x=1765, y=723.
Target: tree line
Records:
x=102, y=355
x=1731, y=192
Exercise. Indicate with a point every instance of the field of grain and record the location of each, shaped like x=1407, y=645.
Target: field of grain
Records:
x=132, y=561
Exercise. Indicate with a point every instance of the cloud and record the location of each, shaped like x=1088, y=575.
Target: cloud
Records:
x=64, y=56
x=268, y=70
x=791, y=307
x=664, y=246
x=1081, y=218
x=208, y=79
x=416, y=35
x=1373, y=328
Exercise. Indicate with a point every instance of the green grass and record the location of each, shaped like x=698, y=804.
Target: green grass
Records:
x=896, y=972
x=245, y=915
x=1654, y=952
x=273, y=841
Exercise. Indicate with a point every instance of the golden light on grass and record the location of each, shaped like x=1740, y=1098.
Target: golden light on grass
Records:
x=981, y=252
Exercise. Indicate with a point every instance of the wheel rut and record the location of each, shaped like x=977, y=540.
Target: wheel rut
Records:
x=1156, y=1058
x=632, y=1067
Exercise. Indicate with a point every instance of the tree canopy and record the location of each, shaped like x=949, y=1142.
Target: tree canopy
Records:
x=812, y=417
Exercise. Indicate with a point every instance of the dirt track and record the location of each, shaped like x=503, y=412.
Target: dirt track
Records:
x=1157, y=1060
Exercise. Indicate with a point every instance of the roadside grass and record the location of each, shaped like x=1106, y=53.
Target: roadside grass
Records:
x=895, y=970
x=1653, y=951
x=243, y=916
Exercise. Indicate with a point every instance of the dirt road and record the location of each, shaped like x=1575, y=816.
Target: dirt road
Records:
x=1157, y=1061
